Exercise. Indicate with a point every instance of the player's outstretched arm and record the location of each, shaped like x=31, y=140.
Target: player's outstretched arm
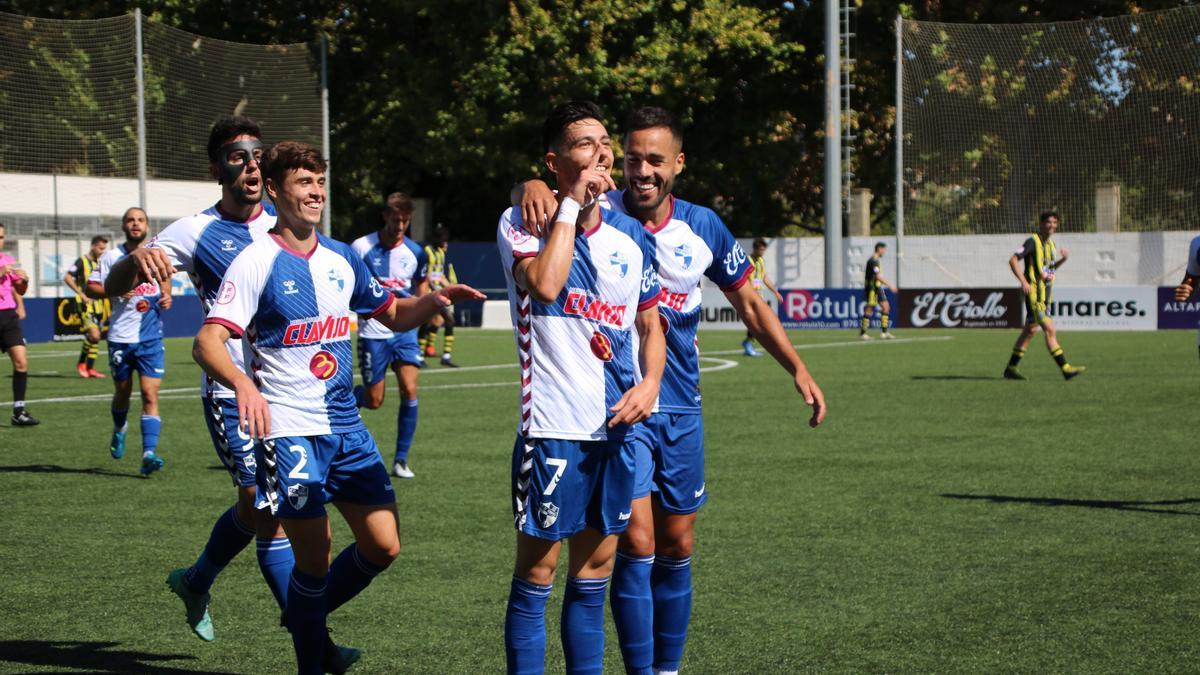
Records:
x=883, y=280
x=409, y=313
x=538, y=205
x=637, y=403
x=95, y=290
x=141, y=264
x=1062, y=258
x=254, y=415
x=764, y=325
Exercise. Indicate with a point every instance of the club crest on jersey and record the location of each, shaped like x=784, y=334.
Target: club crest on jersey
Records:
x=601, y=346
x=142, y=306
x=297, y=496
x=684, y=253
x=619, y=263
x=335, y=278
x=323, y=365
x=547, y=514
x=289, y=287
x=581, y=303
x=308, y=331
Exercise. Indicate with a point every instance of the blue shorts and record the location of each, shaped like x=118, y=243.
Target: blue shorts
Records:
x=147, y=357
x=233, y=446
x=559, y=487
x=376, y=355
x=298, y=475
x=677, y=455
x=643, y=460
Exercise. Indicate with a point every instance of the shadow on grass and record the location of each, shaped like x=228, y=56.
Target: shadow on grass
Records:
x=96, y=657
x=1144, y=506
x=54, y=468
x=955, y=377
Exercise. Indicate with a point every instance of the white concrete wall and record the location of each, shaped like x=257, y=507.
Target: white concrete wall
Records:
x=34, y=194
x=961, y=261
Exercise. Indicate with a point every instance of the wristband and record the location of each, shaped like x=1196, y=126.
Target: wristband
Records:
x=568, y=211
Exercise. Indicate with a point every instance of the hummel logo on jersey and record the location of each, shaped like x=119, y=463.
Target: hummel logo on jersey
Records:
x=335, y=278
x=620, y=262
x=227, y=245
x=700, y=493
x=289, y=287
x=624, y=515
x=581, y=303
x=310, y=331
x=684, y=253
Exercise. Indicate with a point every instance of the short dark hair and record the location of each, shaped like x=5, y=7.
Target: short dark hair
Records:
x=760, y=242
x=880, y=244
x=441, y=235
x=99, y=238
x=653, y=117
x=287, y=156
x=563, y=116
x=401, y=202
x=1047, y=215
x=228, y=128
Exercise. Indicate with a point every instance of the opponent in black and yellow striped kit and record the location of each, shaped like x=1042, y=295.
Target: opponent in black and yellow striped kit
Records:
x=875, y=293
x=441, y=273
x=1040, y=258
x=91, y=312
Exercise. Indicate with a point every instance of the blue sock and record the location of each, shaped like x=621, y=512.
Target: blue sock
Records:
x=151, y=426
x=633, y=611
x=349, y=574
x=583, y=626
x=406, y=421
x=306, y=621
x=275, y=561
x=229, y=536
x=120, y=419
x=525, y=627
x=671, y=582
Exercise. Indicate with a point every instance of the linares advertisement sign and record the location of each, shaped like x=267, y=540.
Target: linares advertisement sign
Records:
x=1072, y=307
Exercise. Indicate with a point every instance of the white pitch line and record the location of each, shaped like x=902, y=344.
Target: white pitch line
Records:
x=720, y=364
x=848, y=343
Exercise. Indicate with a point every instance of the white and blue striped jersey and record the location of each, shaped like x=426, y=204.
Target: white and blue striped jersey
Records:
x=203, y=245
x=138, y=318
x=579, y=354
x=691, y=242
x=399, y=269
x=295, y=311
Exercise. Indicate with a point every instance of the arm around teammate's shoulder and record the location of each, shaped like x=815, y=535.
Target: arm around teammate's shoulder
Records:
x=142, y=264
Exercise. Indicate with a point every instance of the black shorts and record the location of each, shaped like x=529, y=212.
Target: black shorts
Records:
x=874, y=296
x=10, y=330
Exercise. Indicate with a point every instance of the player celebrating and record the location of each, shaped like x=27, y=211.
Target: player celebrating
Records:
x=576, y=297
x=203, y=245
x=874, y=294
x=652, y=582
x=400, y=266
x=1041, y=261
x=13, y=284
x=1187, y=285
x=759, y=280
x=294, y=293
x=134, y=343
x=441, y=273
x=90, y=311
